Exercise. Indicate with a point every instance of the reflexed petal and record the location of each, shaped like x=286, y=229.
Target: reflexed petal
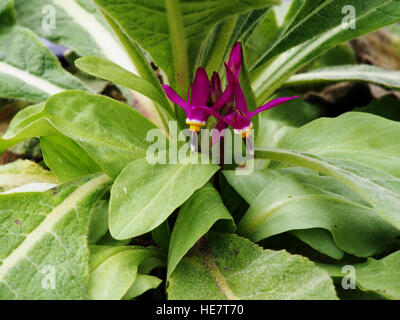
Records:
x=230, y=75
x=235, y=60
x=201, y=88
x=241, y=103
x=225, y=98
x=274, y=103
x=175, y=98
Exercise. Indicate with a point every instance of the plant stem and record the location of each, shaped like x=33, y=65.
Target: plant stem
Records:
x=178, y=43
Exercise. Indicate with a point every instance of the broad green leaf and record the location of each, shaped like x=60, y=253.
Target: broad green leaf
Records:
x=196, y=217
x=315, y=17
x=142, y=284
x=268, y=75
x=356, y=149
x=367, y=139
x=26, y=124
x=378, y=188
x=22, y=172
x=144, y=195
x=28, y=70
x=78, y=25
x=179, y=34
x=229, y=267
x=314, y=204
x=105, y=69
x=81, y=27
x=112, y=133
x=114, y=270
x=45, y=253
x=66, y=159
x=261, y=38
x=356, y=73
x=98, y=224
x=250, y=187
x=380, y=276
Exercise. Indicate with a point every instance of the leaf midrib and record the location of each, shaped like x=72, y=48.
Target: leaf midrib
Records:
x=47, y=225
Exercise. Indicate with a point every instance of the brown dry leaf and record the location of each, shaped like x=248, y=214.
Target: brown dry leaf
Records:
x=378, y=49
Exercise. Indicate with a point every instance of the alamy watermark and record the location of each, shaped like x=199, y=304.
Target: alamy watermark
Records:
x=349, y=280
x=349, y=21
x=49, y=277
x=49, y=19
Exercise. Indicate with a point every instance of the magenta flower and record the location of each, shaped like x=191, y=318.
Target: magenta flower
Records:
x=240, y=118
x=206, y=98
x=197, y=96
x=235, y=60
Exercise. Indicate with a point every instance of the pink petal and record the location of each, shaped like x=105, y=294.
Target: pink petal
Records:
x=201, y=88
x=235, y=59
x=175, y=98
x=225, y=98
x=272, y=104
x=241, y=103
x=232, y=79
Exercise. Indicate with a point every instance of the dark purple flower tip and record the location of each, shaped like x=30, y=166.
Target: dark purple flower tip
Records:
x=216, y=88
x=235, y=59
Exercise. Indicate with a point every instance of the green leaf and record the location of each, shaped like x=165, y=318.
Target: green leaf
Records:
x=105, y=69
x=195, y=219
x=114, y=270
x=162, y=235
x=367, y=139
x=305, y=45
x=379, y=276
x=354, y=73
x=144, y=195
x=261, y=38
x=313, y=18
x=66, y=159
x=149, y=26
x=142, y=284
x=355, y=162
x=29, y=71
x=26, y=124
x=22, y=172
x=81, y=27
x=364, y=158
x=78, y=25
x=332, y=218
x=229, y=267
x=112, y=133
x=45, y=239
x=98, y=224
